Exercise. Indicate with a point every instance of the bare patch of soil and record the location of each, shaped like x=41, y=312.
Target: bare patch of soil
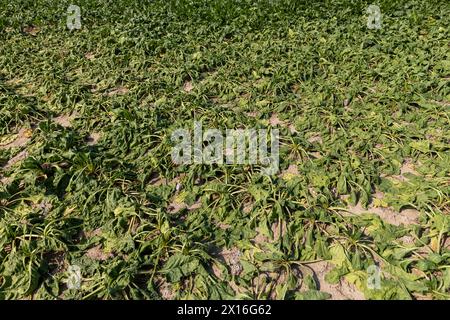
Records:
x=89, y=55
x=290, y=172
x=408, y=167
x=18, y=140
x=31, y=30
x=252, y=114
x=165, y=289
x=90, y=234
x=447, y=243
x=278, y=231
x=269, y=281
x=315, y=138
x=248, y=206
x=187, y=87
x=405, y=217
x=231, y=257
x=118, y=91
x=17, y=158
